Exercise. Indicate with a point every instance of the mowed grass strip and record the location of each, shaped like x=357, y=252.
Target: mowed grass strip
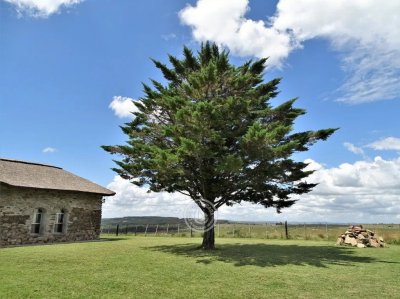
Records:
x=162, y=267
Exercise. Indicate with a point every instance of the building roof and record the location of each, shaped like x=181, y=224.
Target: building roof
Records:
x=42, y=176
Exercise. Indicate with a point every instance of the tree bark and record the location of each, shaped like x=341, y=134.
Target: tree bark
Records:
x=209, y=235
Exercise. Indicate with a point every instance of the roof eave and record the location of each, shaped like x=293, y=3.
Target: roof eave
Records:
x=109, y=193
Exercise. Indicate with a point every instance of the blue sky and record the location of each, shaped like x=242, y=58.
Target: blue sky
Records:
x=64, y=62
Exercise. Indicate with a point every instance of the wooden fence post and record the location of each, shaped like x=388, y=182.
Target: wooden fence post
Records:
x=286, y=231
x=326, y=230
x=156, y=230
x=117, y=231
x=145, y=232
x=167, y=228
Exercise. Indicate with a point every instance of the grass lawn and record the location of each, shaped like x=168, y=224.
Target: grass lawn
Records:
x=166, y=267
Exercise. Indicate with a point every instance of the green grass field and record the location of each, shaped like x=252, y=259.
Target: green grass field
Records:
x=317, y=232
x=167, y=267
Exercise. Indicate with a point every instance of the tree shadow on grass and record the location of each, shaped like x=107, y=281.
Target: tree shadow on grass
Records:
x=269, y=255
x=111, y=239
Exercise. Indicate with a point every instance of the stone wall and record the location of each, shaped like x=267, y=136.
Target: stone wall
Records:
x=17, y=210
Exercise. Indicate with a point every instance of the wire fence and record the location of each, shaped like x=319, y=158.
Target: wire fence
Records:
x=306, y=231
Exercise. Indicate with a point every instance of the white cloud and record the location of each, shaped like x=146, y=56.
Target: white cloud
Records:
x=131, y=200
x=123, y=106
x=41, y=8
x=366, y=191
x=373, y=74
x=362, y=177
x=389, y=143
x=168, y=37
x=49, y=150
x=362, y=192
x=354, y=149
x=364, y=31
x=224, y=22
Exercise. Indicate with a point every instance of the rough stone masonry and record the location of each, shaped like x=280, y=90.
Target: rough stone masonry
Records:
x=18, y=205
x=42, y=203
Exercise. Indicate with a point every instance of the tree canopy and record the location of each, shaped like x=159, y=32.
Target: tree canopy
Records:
x=211, y=132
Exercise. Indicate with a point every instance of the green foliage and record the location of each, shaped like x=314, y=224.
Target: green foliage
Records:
x=212, y=133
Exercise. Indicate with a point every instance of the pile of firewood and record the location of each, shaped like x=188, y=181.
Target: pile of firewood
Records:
x=358, y=237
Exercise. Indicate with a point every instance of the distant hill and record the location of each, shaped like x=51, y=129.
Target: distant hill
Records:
x=144, y=220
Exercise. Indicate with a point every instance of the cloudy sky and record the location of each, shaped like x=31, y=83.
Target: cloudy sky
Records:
x=70, y=69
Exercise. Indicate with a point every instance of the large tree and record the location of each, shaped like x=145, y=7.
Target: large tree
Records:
x=211, y=133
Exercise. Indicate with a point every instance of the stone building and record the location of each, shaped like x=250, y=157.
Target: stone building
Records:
x=43, y=204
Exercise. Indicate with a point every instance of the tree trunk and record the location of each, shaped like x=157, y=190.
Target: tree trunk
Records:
x=209, y=235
